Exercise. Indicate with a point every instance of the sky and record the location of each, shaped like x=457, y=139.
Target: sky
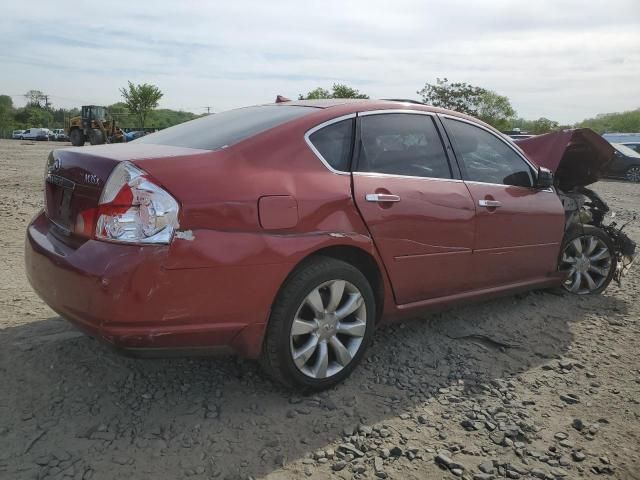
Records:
x=565, y=60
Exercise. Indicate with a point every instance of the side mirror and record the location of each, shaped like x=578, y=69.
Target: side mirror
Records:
x=544, y=178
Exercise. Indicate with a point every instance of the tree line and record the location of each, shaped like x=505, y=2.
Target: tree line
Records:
x=491, y=107
x=139, y=109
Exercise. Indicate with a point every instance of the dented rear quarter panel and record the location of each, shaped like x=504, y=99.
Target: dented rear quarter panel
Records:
x=220, y=192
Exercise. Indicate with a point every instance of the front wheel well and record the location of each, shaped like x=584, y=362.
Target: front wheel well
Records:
x=360, y=259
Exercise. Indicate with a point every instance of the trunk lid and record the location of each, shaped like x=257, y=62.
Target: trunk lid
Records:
x=75, y=178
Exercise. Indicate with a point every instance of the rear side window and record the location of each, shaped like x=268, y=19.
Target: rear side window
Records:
x=402, y=144
x=334, y=143
x=222, y=130
x=486, y=158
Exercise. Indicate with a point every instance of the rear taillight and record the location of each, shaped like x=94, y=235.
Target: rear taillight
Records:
x=132, y=209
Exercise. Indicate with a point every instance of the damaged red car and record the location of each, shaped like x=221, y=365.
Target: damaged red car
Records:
x=288, y=232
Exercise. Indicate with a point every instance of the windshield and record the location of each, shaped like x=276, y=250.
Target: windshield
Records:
x=221, y=130
x=98, y=113
x=626, y=151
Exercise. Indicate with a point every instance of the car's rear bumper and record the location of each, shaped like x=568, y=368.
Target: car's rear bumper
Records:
x=126, y=295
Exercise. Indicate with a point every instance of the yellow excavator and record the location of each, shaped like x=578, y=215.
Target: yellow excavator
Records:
x=92, y=125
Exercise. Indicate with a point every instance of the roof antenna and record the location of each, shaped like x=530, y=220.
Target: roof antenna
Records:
x=282, y=99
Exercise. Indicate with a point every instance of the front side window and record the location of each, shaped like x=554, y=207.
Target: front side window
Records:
x=402, y=144
x=486, y=158
x=334, y=142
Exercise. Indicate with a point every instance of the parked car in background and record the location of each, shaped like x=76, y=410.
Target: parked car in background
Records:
x=519, y=136
x=621, y=137
x=130, y=136
x=59, y=135
x=632, y=145
x=17, y=134
x=35, y=134
x=625, y=164
x=288, y=232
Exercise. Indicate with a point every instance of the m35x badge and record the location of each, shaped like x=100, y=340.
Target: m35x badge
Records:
x=91, y=179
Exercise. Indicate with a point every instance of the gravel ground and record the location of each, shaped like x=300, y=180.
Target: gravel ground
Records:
x=540, y=385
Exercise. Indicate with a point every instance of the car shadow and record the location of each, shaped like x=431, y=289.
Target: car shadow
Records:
x=69, y=400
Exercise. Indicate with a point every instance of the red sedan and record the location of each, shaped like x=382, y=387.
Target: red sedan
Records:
x=288, y=232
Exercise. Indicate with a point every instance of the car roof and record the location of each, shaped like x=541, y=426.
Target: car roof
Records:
x=364, y=104
x=336, y=107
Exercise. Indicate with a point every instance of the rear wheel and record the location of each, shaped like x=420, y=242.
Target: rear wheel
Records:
x=320, y=325
x=77, y=137
x=96, y=137
x=589, y=259
x=633, y=174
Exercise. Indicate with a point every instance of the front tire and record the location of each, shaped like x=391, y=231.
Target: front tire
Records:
x=77, y=137
x=96, y=137
x=588, y=256
x=633, y=174
x=320, y=325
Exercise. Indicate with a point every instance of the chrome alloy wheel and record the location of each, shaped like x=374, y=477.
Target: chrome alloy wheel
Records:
x=588, y=261
x=633, y=174
x=328, y=329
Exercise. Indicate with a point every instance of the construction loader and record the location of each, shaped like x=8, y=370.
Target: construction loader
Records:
x=92, y=125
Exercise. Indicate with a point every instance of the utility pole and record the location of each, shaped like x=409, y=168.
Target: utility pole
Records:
x=208, y=110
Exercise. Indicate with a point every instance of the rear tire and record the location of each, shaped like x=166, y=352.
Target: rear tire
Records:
x=588, y=255
x=96, y=137
x=77, y=137
x=334, y=310
x=633, y=174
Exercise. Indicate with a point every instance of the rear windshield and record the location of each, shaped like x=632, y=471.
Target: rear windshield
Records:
x=222, y=130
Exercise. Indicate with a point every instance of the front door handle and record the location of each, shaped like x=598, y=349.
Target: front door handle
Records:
x=489, y=203
x=381, y=197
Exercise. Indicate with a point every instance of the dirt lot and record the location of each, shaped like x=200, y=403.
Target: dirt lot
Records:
x=542, y=385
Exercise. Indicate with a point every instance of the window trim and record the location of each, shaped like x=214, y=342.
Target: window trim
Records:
x=463, y=170
x=320, y=126
x=395, y=175
x=451, y=161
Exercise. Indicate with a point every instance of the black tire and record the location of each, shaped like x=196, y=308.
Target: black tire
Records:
x=77, y=137
x=583, y=232
x=20, y=138
x=633, y=174
x=96, y=137
x=277, y=355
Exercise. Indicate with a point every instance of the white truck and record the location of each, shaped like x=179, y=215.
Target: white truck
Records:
x=35, y=134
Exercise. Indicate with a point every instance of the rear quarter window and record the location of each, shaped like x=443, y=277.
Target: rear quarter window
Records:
x=334, y=143
x=222, y=130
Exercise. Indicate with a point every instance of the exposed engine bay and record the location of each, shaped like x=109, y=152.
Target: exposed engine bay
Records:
x=583, y=206
x=579, y=158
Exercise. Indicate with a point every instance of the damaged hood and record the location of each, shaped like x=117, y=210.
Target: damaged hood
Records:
x=576, y=157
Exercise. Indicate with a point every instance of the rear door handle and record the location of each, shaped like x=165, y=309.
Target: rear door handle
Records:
x=489, y=203
x=381, y=197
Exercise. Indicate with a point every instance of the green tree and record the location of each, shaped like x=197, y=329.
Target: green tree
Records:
x=459, y=96
x=141, y=99
x=34, y=117
x=463, y=97
x=624, y=122
x=543, y=125
x=35, y=98
x=338, y=90
x=495, y=110
x=7, y=113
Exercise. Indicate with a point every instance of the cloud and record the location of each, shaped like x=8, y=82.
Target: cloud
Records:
x=566, y=60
